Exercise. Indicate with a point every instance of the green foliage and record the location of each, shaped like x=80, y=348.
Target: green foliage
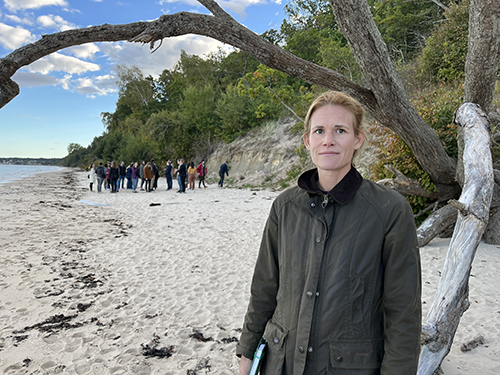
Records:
x=443, y=58
x=237, y=114
x=337, y=55
x=404, y=25
x=436, y=106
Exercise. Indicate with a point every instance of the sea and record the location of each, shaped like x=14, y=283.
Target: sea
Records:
x=13, y=172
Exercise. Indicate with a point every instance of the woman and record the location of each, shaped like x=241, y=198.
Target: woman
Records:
x=135, y=176
x=114, y=174
x=191, y=175
x=336, y=288
x=202, y=172
x=92, y=176
x=148, y=176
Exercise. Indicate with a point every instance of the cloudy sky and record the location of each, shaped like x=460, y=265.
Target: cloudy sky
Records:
x=63, y=94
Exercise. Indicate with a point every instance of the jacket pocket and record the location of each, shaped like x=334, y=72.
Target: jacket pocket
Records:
x=275, y=335
x=356, y=354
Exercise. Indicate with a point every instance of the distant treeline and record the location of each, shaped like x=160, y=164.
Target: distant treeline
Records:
x=31, y=161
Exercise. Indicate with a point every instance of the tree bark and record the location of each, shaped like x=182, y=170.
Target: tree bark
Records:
x=451, y=299
x=483, y=52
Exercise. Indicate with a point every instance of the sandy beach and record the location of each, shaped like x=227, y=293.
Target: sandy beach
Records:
x=110, y=284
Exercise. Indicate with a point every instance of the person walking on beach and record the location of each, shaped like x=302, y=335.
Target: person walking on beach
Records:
x=128, y=175
x=107, y=168
x=101, y=176
x=337, y=284
x=114, y=174
x=141, y=173
x=92, y=176
x=154, y=180
x=191, y=175
x=121, y=176
x=148, y=176
x=135, y=176
x=202, y=172
x=223, y=170
x=181, y=175
x=168, y=174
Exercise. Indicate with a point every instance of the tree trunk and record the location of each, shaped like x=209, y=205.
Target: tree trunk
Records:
x=483, y=52
x=451, y=299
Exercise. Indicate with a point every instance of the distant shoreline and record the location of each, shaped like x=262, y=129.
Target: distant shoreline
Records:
x=31, y=161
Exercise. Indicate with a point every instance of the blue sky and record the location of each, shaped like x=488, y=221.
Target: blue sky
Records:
x=63, y=94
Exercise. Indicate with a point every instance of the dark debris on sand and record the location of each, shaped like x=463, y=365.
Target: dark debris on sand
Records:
x=54, y=323
x=199, y=336
x=152, y=350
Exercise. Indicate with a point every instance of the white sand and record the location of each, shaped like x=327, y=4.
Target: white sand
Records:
x=159, y=274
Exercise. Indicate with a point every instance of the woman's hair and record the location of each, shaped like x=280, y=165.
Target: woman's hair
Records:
x=340, y=99
x=113, y=164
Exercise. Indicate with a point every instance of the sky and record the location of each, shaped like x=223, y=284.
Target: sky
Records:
x=63, y=95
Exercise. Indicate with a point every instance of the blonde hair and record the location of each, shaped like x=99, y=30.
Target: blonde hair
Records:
x=340, y=99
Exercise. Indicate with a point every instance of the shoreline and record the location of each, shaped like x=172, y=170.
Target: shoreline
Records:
x=129, y=288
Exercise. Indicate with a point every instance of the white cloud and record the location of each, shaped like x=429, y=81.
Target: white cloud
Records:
x=57, y=62
x=164, y=58
x=24, y=21
x=278, y=2
x=237, y=6
x=14, y=37
x=55, y=22
x=14, y=5
x=27, y=79
x=96, y=86
x=84, y=51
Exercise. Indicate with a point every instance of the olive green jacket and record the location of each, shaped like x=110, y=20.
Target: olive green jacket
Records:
x=337, y=288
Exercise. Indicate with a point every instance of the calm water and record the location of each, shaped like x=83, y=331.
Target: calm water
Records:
x=10, y=173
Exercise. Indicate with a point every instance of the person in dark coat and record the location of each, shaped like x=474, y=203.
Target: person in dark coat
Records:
x=181, y=176
x=168, y=174
x=223, y=170
x=337, y=284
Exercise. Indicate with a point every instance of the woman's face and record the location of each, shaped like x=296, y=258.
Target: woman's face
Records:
x=332, y=141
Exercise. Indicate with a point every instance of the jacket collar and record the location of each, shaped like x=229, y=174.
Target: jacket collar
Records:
x=341, y=193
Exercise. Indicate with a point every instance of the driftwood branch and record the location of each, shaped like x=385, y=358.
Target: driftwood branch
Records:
x=435, y=224
x=408, y=186
x=451, y=299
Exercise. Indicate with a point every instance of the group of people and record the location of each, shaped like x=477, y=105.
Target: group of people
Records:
x=112, y=176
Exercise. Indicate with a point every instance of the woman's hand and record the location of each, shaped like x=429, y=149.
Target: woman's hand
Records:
x=245, y=365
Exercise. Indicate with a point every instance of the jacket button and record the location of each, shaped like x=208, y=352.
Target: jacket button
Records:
x=310, y=349
x=309, y=293
x=340, y=358
x=276, y=340
x=301, y=349
x=318, y=239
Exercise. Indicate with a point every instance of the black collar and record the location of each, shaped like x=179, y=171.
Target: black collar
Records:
x=341, y=193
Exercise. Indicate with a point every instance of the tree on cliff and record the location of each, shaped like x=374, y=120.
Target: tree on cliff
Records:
x=384, y=98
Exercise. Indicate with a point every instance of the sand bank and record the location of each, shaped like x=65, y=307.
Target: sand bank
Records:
x=107, y=284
